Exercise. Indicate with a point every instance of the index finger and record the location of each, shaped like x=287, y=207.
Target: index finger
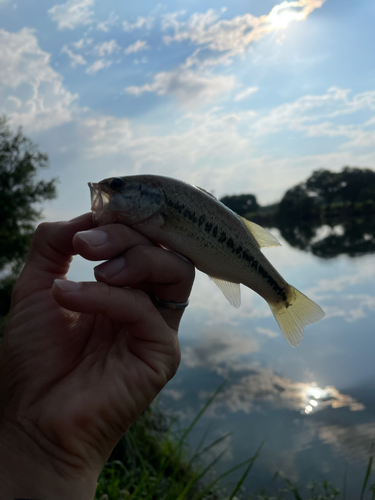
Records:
x=108, y=241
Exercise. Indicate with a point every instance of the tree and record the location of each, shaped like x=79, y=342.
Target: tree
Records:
x=241, y=203
x=20, y=161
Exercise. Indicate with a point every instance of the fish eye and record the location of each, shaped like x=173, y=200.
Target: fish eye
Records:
x=116, y=184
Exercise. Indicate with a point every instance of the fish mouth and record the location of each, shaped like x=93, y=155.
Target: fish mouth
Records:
x=99, y=201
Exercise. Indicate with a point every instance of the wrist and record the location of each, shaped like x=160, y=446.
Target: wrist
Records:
x=27, y=471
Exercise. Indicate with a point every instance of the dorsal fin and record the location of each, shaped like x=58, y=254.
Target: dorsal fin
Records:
x=262, y=236
x=231, y=291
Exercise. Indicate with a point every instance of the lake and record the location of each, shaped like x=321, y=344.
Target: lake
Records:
x=314, y=405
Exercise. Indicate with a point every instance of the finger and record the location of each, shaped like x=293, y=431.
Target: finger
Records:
x=156, y=344
x=51, y=252
x=107, y=241
x=154, y=270
x=171, y=275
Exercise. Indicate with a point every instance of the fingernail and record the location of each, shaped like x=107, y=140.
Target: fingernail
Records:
x=111, y=268
x=68, y=286
x=93, y=237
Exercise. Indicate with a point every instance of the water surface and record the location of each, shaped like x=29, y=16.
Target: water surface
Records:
x=313, y=405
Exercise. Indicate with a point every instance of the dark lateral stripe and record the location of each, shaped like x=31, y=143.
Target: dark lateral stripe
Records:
x=222, y=237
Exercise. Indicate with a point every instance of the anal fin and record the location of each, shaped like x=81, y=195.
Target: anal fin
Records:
x=231, y=291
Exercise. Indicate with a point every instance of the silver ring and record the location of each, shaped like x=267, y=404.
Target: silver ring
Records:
x=176, y=306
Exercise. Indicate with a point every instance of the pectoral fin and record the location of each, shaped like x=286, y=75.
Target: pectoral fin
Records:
x=262, y=236
x=231, y=291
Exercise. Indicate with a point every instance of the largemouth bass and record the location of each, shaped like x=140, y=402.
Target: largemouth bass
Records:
x=192, y=222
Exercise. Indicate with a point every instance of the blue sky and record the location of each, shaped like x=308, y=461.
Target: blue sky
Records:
x=232, y=96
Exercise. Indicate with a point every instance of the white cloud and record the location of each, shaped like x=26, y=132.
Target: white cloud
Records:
x=217, y=348
x=267, y=332
x=97, y=66
x=262, y=384
x=319, y=115
x=105, y=25
x=96, y=129
x=141, y=22
x=219, y=149
x=83, y=43
x=233, y=36
x=186, y=85
x=27, y=78
x=245, y=93
x=138, y=46
x=106, y=48
x=75, y=59
x=73, y=13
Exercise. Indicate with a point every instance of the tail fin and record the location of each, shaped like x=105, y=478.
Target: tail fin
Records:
x=292, y=319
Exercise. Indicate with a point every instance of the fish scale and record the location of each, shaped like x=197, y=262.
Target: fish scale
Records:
x=193, y=223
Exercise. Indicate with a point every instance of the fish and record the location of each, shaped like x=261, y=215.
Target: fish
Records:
x=190, y=221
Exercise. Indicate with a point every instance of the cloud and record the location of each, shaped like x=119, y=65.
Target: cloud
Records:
x=235, y=35
x=75, y=59
x=317, y=115
x=141, y=22
x=105, y=25
x=106, y=48
x=186, y=85
x=254, y=385
x=267, y=332
x=245, y=93
x=73, y=13
x=138, y=46
x=218, y=348
x=83, y=43
x=27, y=78
x=353, y=441
x=96, y=130
x=173, y=393
x=97, y=66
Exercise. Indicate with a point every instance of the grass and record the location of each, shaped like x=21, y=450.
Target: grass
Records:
x=154, y=462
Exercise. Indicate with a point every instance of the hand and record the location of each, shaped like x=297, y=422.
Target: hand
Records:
x=80, y=362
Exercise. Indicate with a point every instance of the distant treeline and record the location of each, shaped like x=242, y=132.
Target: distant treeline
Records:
x=323, y=195
x=343, y=202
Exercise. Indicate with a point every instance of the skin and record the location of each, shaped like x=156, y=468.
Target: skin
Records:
x=79, y=363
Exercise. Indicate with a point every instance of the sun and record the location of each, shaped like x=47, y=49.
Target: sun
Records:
x=281, y=15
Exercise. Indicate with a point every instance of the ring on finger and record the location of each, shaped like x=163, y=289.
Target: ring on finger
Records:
x=176, y=306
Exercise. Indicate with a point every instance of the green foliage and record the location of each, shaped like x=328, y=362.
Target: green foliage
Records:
x=152, y=462
x=241, y=203
x=19, y=193
x=327, y=193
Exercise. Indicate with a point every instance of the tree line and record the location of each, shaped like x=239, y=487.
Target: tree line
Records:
x=323, y=194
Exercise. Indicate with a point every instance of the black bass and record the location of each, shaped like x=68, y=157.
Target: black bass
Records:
x=220, y=243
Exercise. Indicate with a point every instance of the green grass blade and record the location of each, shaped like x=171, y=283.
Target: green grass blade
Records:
x=201, y=412
x=209, y=487
x=367, y=477
x=247, y=471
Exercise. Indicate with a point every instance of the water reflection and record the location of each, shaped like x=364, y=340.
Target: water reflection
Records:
x=298, y=399
x=354, y=441
x=263, y=385
x=331, y=237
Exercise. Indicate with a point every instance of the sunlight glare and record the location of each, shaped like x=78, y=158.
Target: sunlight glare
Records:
x=281, y=15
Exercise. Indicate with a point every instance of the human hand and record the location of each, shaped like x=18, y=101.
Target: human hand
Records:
x=79, y=362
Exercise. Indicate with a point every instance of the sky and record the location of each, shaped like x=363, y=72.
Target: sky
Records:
x=235, y=97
